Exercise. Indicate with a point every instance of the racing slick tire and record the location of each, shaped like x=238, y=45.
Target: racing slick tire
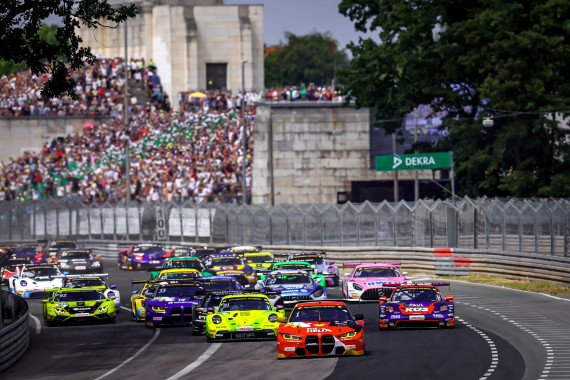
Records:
x=336, y=280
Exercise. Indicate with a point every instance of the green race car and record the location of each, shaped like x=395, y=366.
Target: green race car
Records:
x=262, y=261
x=243, y=317
x=298, y=265
x=71, y=305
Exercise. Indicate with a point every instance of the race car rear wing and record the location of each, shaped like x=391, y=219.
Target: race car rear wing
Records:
x=104, y=276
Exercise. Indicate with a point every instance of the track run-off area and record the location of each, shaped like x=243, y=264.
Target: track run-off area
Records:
x=499, y=334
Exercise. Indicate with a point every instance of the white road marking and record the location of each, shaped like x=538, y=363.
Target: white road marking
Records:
x=201, y=359
x=125, y=308
x=156, y=334
x=37, y=322
x=492, y=347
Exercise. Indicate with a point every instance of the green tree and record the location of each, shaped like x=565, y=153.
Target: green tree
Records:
x=473, y=59
x=22, y=42
x=303, y=59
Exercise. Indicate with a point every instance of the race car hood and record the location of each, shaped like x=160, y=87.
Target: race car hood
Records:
x=321, y=327
x=244, y=318
x=375, y=282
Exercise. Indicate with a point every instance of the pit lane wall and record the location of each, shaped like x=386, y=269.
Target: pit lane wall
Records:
x=14, y=330
x=432, y=261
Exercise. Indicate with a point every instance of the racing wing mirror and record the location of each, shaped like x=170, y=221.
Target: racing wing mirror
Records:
x=279, y=307
x=449, y=298
x=331, y=262
x=405, y=274
x=211, y=310
x=383, y=299
x=259, y=285
x=282, y=319
x=358, y=317
x=123, y=251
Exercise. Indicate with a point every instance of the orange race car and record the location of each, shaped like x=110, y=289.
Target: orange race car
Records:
x=321, y=328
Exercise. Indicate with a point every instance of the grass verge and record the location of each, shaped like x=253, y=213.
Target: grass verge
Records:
x=530, y=286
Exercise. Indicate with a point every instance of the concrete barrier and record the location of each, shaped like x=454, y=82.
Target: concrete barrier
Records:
x=14, y=330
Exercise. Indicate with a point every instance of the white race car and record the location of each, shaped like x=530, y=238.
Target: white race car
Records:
x=34, y=279
x=95, y=281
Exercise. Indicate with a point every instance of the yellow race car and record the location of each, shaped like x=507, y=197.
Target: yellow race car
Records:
x=243, y=317
x=138, y=309
x=177, y=274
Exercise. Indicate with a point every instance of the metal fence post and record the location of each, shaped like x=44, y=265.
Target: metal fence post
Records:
x=474, y=227
x=504, y=233
x=520, y=235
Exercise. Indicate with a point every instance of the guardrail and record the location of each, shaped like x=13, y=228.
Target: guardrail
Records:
x=14, y=330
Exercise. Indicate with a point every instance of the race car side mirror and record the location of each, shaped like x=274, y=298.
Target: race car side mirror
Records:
x=123, y=251
x=404, y=274
x=135, y=292
x=258, y=286
x=98, y=256
x=358, y=317
x=282, y=319
x=331, y=262
x=279, y=307
x=449, y=298
x=211, y=309
x=113, y=298
x=113, y=286
x=15, y=276
x=383, y=299
x=45, y=301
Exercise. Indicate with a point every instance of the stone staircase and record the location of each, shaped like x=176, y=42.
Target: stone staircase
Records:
x=138, y=91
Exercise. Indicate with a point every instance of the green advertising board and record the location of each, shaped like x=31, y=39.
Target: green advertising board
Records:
x=420, y=161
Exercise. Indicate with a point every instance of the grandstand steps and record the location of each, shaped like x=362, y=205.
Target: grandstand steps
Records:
x=138, y=92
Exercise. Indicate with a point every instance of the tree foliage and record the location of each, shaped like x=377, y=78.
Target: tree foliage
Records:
x=303, y=59
x=23, y=43
x=509, y=60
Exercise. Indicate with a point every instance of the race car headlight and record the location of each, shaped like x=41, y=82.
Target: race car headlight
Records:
x=59, y=311
x=318, y=293
x=158, y=309
x=443, y=308
x=96, y=264
x=389, y=309
x=272, y=318
x=350, y=334
x=331, y=270
x=23, y=283
x=111, y=294
x=292, y=337
x=357, y=287
x=102, y=309
x=217, y=319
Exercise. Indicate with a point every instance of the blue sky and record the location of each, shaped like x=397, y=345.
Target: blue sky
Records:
x=302, y=17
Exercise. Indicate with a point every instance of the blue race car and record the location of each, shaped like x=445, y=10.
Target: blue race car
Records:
x=320, y=264
x=417, y=305
x=172, y=303
x=220, y=283
x=143, y=256
x=293, y=286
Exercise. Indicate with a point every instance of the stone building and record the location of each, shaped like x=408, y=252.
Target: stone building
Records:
x=195, y=44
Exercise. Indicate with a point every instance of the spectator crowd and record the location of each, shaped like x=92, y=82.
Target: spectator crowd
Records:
x=194, y=153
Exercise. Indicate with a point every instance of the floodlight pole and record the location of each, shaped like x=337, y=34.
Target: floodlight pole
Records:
x=244, y=136
x=127, y=131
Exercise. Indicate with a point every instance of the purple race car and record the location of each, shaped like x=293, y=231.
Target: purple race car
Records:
x=172, y=302
x=143, y=256
x=417, y=305
x=368, y=281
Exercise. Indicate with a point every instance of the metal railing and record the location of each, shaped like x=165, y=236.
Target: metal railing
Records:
x=532, y=226
x=14, y=330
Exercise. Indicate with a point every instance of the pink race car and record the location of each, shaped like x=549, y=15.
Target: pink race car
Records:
x=369, y=281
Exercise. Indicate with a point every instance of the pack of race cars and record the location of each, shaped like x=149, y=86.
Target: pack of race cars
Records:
x=239, y=293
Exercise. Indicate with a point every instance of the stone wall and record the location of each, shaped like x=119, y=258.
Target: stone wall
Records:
x=183, y=36
x=306, y=152
x=30, y=133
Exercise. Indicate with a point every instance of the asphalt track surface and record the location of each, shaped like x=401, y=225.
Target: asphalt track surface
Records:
x=500, y=334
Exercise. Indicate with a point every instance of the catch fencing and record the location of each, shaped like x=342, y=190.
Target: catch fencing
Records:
x=530, y=226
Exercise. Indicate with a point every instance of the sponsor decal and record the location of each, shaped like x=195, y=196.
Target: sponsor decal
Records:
x=351, y=347
x=416, y=309
x=82, y=314
x=373, y=283
x=289, y=349
x=417, y=317
x=244, y=328
x=317, y=330
x=157, y=318
x=244, y=335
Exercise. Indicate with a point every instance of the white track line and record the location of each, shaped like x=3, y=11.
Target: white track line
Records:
x=201, y=359
x=492, y=347
x=125, y=308
x=37, y=322
x=156, y=334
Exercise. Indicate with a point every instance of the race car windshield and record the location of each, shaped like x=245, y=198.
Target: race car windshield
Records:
x=213, y=301
x=186, y=264
x=76, y=255
x=226, y=261
x=329, y=314
x=79, y=296
x=376, y=272
x=63, y=244
x=174, y=276
x=84, y=283
x=221, y=285
x=178, y=291
x=314, y=260
x=294, y=267
x=23, y=251
x=40, y=272
x=287, y=279
x=149, y=291
x=149, y=250
x=259, y=259
x=421, y=295
x=250, y=304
